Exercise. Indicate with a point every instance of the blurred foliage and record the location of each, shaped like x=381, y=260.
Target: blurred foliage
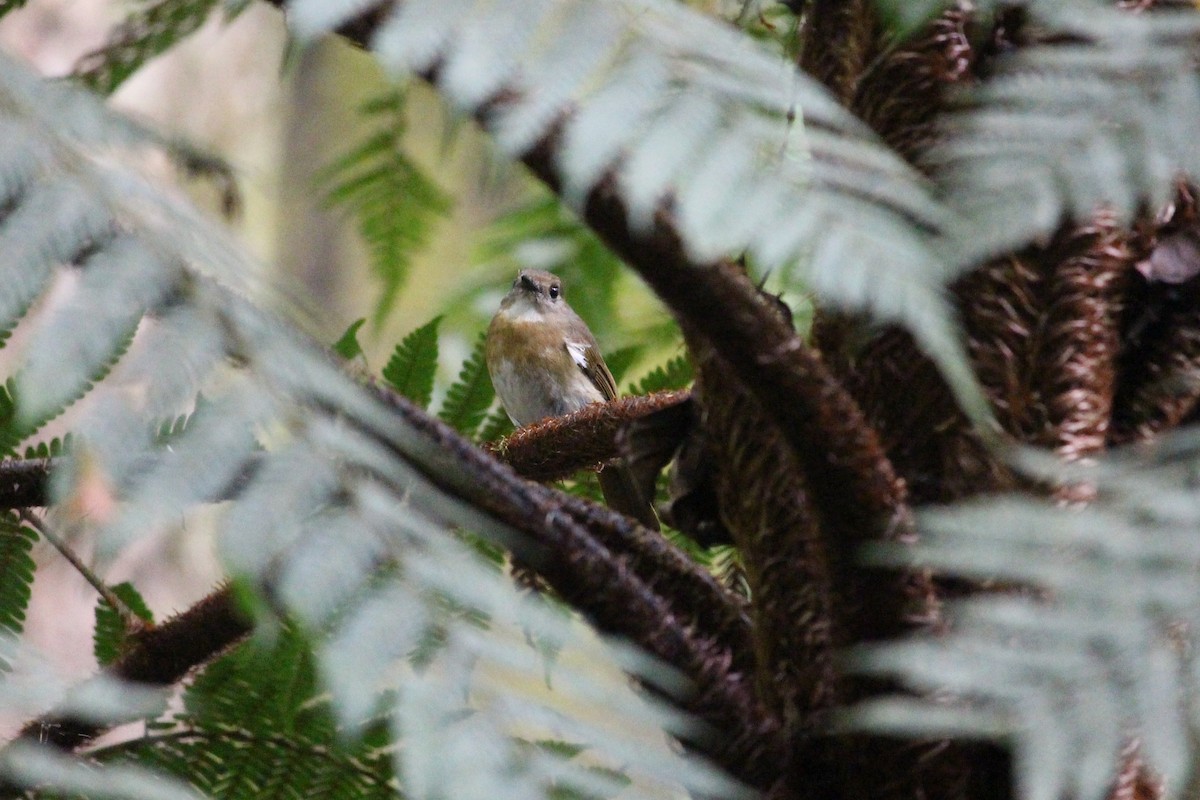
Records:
x=393, y=201
x=151, y=29
x=111, y=631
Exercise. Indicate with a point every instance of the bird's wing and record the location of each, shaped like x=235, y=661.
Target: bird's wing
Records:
x=587, y=357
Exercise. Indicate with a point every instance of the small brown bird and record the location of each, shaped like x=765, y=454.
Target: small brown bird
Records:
x=544, y=362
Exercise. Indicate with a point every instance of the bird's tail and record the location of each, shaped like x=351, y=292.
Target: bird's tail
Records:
x=622, y=494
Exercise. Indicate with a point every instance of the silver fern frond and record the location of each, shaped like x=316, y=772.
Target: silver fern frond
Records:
x=1091, y=645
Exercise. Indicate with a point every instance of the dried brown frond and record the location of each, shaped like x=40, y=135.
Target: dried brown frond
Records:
x=903, y=91
x=1075, y=371
x=558, y=447
x=812, y=599
x=839, y=40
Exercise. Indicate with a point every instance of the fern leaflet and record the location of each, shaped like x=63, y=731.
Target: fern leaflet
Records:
x=412, y=366
x=675, y=374
x=146, y=33
x=110, y=633
x=469, y=398
x=16, y=575
x=394, y=201
x=347, y=345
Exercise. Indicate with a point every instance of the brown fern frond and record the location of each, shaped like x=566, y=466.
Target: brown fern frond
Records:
x=156, y=656
x=812, y=599
x=932, y=444
x=1075, y=372
x=839, y=40
x=902, y=93
x=558, y=447
x=764, y=503
x=693, y=593
x=738, y=733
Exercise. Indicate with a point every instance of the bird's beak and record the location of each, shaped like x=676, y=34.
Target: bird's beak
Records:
x=528, y=284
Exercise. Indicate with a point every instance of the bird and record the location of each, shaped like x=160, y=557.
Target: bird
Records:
x=544, y=362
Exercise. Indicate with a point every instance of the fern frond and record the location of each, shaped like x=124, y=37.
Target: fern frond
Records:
x=675, y=374
x=58, y=446
x=147, y=32
x=254, y=722
x=412, y=366
x=469, y=397
x=1099, y=650
x=394, y=201
x=110, y=632
x=16, y=575
x=496, y=425
x=10, y=5
x=347, y=345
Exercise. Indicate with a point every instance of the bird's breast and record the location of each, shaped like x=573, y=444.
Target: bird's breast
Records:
x=533, y=373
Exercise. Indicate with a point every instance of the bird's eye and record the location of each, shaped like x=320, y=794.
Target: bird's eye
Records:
x=554, y=292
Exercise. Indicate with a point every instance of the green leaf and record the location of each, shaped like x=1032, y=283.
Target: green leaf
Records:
x=469, y=398
x=347, y=346
x=108, y=638
x=619, y=361
x=255, y=724
x=496, y=425
x=16, y=574
x=147, y=32
x=393, y=200
x=675, y=374
x=52, y=449
x=412, y=366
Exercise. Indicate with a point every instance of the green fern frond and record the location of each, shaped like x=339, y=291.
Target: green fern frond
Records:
x=345, y=522
x=347, y=345
x=147, y=32
x=110, y=633
x=16, y=575
x=1092, y=654
x=675, y=374
x=411, y=368
x=620, y=361
x=10, y=5
x=468, y=398
x=394, y=201
x=496, y=425
x=56, y=447
x=254, y=725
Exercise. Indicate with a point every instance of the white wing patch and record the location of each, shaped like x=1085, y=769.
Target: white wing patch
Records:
x=578, y=351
